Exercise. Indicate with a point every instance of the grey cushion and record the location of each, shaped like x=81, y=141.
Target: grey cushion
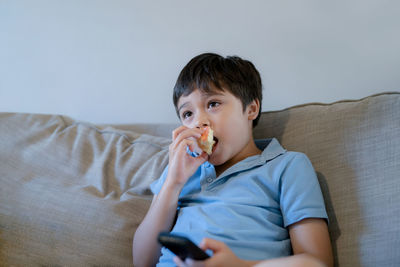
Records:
x=355, y=148
x=71, y=193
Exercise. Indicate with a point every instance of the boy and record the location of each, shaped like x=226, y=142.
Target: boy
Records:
x=247, y=202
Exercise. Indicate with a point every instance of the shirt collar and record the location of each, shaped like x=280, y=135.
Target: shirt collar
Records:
x=270, y=150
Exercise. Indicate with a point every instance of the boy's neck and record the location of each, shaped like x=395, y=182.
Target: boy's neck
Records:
x=250, y=150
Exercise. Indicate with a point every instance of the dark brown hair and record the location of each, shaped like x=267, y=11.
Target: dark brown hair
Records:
x=236, y=75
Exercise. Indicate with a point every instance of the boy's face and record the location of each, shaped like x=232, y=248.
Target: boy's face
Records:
x=223, y=112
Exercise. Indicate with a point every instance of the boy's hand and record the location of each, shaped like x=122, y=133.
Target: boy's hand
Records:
x=222, y=256
x=181, y=164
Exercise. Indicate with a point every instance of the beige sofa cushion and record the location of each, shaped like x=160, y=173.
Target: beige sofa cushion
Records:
x=355, y=149
x=72, y=194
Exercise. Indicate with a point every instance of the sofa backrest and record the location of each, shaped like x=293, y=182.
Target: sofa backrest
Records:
x=355, y=149
x=73, y=193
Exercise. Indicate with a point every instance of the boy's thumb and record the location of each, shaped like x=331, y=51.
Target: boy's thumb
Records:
x=212, y=244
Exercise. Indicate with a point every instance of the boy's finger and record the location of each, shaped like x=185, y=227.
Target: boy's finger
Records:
x=192, y=263
x=177, y=131
x=203, y=157
x=212, y=244
x=179, y=142
x=188, y=134
x=178, y=261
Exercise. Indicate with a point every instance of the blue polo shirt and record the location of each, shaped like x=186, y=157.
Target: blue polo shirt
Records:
x=250, y=205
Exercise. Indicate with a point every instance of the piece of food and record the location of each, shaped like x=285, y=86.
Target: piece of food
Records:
x=206, y=140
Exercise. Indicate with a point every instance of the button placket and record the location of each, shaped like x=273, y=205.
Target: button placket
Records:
x=209, y=174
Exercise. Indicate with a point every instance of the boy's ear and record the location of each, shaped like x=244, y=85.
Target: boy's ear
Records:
x=253, y=109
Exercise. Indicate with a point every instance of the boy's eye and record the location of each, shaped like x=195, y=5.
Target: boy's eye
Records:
x=213, y=104
x=186, y=114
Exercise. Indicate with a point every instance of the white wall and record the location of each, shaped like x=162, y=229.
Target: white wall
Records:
x=117, y=61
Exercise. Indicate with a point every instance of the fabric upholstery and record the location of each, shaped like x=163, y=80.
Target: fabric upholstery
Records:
x=355, y=149
x=72, y=193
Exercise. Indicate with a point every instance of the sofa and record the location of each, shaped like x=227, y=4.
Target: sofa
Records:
x=72, y=193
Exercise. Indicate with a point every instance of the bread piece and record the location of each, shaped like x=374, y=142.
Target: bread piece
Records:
x=206, y=140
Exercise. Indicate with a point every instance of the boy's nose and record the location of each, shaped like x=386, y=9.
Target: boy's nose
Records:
x=202, y=122
x=199, y=126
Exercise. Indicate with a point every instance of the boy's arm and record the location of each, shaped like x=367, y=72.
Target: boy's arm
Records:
x=162, y=212
x=310, y=242
x=160, y=217
x=311, y=236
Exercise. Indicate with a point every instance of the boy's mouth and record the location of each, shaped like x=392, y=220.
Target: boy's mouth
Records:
x=215, y=144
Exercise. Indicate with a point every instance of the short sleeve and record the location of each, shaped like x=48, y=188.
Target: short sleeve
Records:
x=301, y=195
x=157, y=184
